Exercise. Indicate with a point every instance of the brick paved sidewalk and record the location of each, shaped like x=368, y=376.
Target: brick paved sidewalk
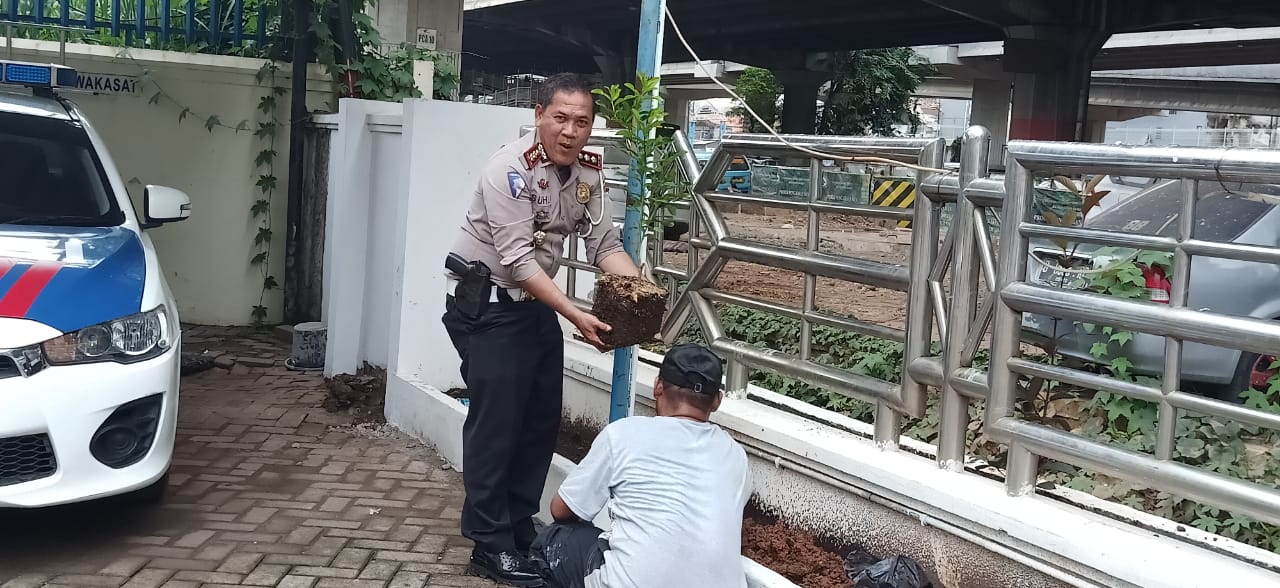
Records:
x=267, y=489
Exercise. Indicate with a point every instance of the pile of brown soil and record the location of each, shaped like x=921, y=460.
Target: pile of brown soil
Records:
x=575, y=438
x=632, y=306
x=793, y=553
x=362, y=395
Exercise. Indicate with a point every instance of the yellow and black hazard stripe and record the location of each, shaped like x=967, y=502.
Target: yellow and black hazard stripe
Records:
x=896, y=193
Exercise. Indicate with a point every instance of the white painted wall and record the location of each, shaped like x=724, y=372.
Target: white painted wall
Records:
x=401, y=177
x=206, y=258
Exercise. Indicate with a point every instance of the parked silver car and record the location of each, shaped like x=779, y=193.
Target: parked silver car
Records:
x=1230, y=212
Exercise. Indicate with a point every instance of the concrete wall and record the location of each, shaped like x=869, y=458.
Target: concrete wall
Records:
x=401, y=177
x=206, y=258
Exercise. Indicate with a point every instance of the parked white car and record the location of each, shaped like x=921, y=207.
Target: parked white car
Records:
x=89, y=333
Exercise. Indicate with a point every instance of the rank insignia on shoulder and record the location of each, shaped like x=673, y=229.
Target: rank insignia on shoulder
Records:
x=534, y=155
x=591, y=160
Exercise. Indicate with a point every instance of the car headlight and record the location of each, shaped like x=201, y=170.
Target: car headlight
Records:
x=137, y=337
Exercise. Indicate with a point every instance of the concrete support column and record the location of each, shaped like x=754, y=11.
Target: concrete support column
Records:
x=399, y=20
x=990, y=108
x=677, y=107
x=1051, y=67
x=800, y=100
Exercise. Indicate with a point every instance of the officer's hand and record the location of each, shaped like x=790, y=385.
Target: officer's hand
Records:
x=591, y=328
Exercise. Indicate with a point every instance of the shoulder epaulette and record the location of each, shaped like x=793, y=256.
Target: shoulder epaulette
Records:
x=591, y=160
x=534, y=155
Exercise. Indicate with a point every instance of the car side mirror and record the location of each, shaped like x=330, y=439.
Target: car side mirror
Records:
x=162, y=204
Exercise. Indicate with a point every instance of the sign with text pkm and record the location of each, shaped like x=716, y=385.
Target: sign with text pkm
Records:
x=427, y=39
x=100, y=83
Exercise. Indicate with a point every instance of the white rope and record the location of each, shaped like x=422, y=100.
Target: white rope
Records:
x=768, y=126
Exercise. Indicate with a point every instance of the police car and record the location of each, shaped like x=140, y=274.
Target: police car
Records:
x=89, y=335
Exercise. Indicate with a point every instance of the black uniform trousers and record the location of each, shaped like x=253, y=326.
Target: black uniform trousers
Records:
x=513, y=366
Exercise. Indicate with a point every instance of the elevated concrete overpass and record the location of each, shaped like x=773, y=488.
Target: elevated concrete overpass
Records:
x=1047, y=47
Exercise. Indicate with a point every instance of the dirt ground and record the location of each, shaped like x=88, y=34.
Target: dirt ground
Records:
x=362, y=396
x=838, y=234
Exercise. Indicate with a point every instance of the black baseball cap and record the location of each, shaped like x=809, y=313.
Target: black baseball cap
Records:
x=693, y=367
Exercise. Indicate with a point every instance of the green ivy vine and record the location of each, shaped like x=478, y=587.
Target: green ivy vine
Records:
x=268, y=130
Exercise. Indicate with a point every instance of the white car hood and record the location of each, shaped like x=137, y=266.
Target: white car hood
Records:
x=15, y=333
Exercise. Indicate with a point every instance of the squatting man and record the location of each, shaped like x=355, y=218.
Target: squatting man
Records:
x=675, y=487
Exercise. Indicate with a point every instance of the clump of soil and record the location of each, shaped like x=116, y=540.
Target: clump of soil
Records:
x=363, y=395
x=632, y=306
x=793, y=553
x=575, y=438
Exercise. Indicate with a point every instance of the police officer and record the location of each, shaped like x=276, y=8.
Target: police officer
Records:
x=500, y=312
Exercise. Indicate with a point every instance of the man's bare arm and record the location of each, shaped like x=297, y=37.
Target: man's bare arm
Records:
x=561, y=512
x=619, y=262
x=545, y=289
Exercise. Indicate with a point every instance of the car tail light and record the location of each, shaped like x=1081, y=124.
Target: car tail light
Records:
x=1158, y=285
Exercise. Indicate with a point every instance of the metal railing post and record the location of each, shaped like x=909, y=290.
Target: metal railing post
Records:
x=1011, y=265
x=810, y=280
x=924, y=252
x=1167, y=416
x=954, y=411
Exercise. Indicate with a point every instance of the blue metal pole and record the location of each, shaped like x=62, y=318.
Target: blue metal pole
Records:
x=648, y=61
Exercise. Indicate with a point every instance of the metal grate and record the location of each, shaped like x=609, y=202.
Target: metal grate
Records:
x=26, y=458
x=8, y=369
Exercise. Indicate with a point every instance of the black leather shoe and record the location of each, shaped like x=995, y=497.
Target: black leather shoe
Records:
x=507, y=567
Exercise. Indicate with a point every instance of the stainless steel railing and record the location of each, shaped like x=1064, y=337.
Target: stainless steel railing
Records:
x=1175, y=322
x=974, y=256
x=891, y=399
x=966, y=261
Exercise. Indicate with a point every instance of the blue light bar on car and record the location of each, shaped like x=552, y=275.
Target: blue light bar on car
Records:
x=37, y=75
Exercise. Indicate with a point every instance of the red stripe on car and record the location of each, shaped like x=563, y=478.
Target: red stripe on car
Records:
x=28, y=287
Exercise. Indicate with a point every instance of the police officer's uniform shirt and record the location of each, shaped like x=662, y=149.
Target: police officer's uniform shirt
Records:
x=523, y=210
x=675, y=490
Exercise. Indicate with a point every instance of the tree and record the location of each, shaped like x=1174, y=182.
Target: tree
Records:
x=759, y=90
x=871, y=91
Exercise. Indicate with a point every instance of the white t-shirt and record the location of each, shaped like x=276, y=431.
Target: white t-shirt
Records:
x=675, y=489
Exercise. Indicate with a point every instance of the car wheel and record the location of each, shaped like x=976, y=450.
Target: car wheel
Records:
x=1253, y=371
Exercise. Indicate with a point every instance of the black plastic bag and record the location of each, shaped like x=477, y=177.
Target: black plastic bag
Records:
x=856, y=561
x=898, y=571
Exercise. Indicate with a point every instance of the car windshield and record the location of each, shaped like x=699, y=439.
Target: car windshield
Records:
x=51, y=175
x=1223, y=211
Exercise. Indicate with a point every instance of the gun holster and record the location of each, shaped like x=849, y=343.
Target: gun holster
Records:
x=471, y=297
